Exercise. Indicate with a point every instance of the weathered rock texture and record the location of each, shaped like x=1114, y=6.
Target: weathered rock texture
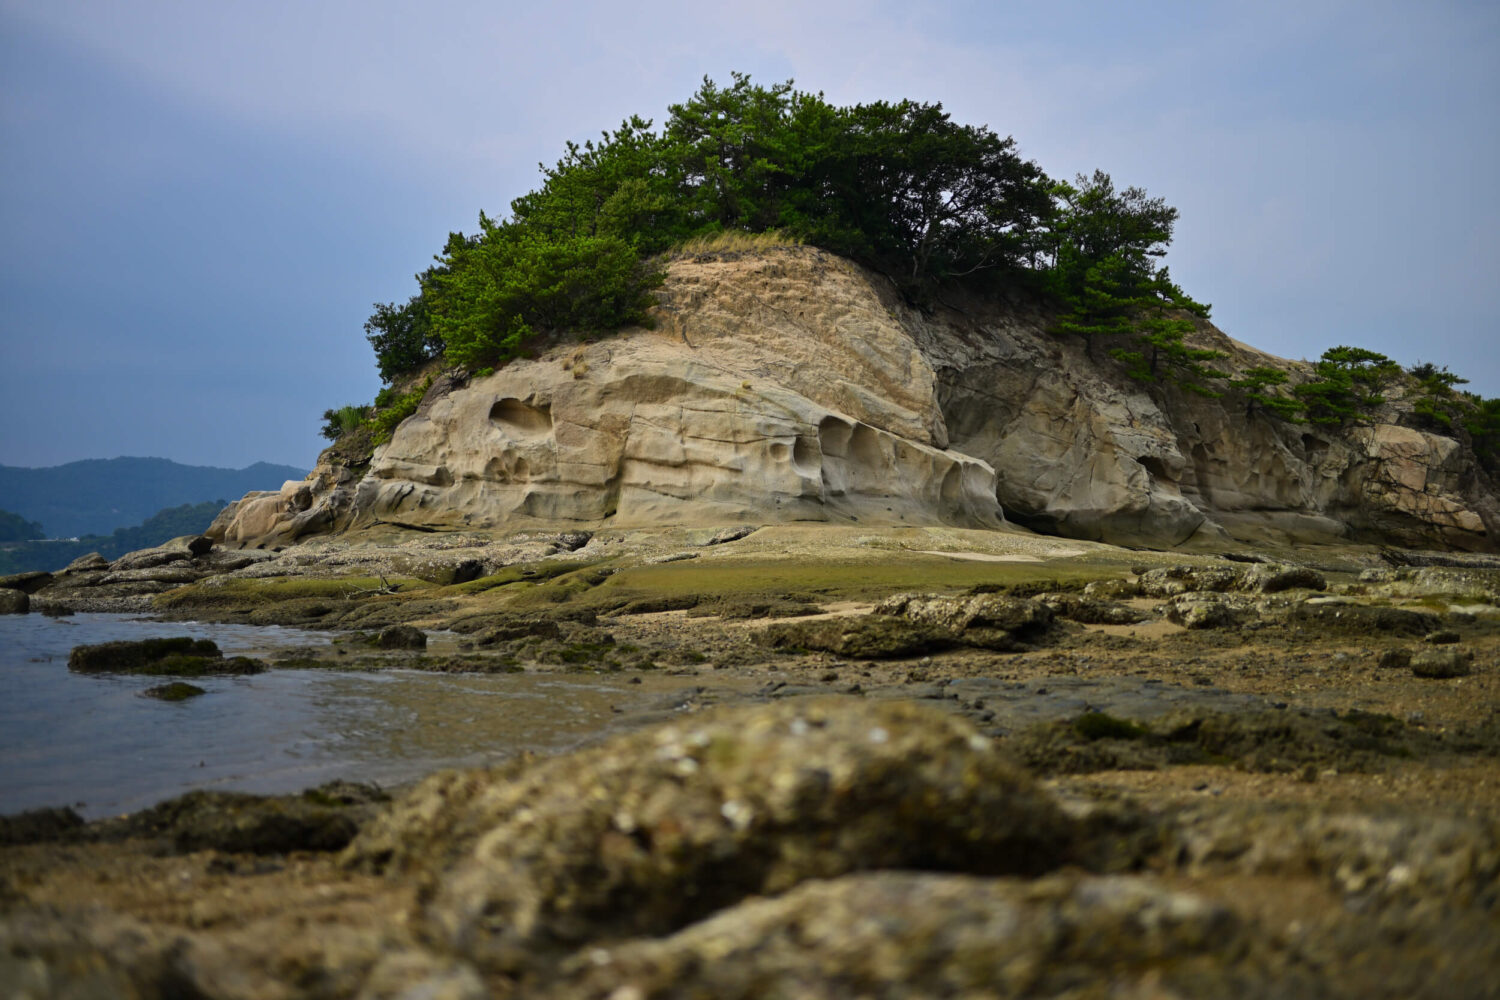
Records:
x=792, y=385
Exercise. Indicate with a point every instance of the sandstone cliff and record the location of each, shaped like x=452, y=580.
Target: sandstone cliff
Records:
x=792, y=385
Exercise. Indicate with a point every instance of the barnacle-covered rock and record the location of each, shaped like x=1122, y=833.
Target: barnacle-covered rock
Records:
x=656, y=829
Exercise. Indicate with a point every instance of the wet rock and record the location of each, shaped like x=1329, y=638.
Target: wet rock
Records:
x=1274, y=578
x=656, y=829
x=1253, y=739
x=37, y=826
x=1091, y=610
x=402, y=637
x=904, y=934
x=870, y=637
x=30, y=583
x=540, y=628
x=1210, y=610
x=251, y=824
x=1395, y=659
x=14, y=602
x=1442, y=663
x=1449, y=858
x=1169, y=581
x=1363, y=619
x=128, y=657
x=175, y=691
x=174, y=657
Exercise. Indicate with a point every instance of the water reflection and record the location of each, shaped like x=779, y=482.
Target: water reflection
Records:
x=67, y=738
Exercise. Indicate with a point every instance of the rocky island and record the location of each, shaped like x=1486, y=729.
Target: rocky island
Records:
x=1002, y=663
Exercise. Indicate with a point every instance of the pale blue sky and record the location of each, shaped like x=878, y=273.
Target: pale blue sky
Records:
x=201, y=201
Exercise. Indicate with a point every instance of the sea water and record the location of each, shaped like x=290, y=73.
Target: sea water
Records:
x=96, y=743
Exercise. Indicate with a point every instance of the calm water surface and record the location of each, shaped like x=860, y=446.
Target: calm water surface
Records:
x=95, y=743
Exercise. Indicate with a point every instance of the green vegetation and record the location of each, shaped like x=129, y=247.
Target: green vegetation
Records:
x=392, y=407
x=344, y=420
x=900, y=187
x=1106, y=273
x=1347, y=385
x=163, y=526
x=15, y=528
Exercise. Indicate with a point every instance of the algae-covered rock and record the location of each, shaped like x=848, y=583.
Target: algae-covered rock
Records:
x=129, y=657
x=907, y=934
x=37, y=825
x=180, y=656
x=175, y=691
x=656, y=829
x=1364, y=619
x=316, y=820
x=870, y=637
x=402, y=637
x=29, y=582
x=14, y=602
x=1442, y=663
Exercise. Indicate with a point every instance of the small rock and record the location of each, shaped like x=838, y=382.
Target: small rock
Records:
x=572, y=541
x=1398, y=659
x=402, y=637
x=732, y=534
x=1442, y=663
x=14, y=602
x=89, y=563
x=175, y=691
x=1444, y=637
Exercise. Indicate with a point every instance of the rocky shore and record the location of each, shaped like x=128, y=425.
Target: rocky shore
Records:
x=909, y=762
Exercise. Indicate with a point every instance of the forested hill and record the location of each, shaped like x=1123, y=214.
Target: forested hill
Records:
x=96, y=496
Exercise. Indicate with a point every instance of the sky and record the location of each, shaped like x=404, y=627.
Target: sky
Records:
x=201, y=202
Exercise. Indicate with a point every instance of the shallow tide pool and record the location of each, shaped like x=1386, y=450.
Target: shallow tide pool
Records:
x=97, y=744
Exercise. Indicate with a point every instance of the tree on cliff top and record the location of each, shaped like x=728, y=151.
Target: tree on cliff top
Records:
x=899, y=187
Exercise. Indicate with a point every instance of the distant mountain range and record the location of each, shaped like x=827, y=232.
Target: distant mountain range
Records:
x=96, y=496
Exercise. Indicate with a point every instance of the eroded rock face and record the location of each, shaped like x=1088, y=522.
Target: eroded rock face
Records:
x=791, y=385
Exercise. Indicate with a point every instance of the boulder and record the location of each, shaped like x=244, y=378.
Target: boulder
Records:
x=657, y=829
x=402, y=637
x=14, y=602
x=1196, y=610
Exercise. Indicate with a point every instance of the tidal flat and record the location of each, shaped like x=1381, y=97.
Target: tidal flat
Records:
x=826, y=762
